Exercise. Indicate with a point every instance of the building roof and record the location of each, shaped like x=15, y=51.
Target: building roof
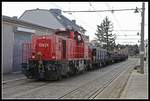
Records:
x=50, y=18
x=23, y=23
x=65, y=21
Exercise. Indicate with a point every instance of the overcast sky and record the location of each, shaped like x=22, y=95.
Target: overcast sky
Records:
x=122, y=21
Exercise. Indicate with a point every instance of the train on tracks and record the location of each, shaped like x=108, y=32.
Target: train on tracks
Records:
x=64, y=53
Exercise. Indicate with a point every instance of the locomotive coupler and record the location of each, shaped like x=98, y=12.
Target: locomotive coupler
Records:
x=40, y=67
x=40, y=63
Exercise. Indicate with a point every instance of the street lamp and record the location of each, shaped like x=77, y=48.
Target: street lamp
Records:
x=136, y=10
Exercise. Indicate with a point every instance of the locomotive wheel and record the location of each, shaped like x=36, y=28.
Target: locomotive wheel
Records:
x=89, y=67
x=86, y=67
x=100, y=65
x=67, y=75
x=29, y=76
x=59, y=77
x=81, y=72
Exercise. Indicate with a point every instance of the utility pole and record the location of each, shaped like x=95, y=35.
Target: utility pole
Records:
x=142, y=40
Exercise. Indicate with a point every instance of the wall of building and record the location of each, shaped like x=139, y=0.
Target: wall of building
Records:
x=7, y=47
x=19, y=39
x=14, y=33
x=12, y=40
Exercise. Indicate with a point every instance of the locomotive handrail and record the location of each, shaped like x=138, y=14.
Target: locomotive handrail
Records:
x=26, y=51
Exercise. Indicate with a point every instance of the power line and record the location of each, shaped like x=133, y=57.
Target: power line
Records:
x=113, y=15
x=94, y=8
x=128, y=35
x=70, y=7
x=126, y=42
x=83, y=22
x=56, y=5
x=106, y=11
x=107, y=4
x=127, y=39
x=94, y=28
x=101, y=10
x=126, y=30
x=74, y=16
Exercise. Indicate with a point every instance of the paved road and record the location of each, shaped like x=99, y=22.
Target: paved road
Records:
x=137, y=85
x=12, y=77
x=79, y=86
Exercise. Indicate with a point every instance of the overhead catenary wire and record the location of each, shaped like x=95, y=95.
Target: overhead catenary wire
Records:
x=133, y=41
x=108, y=6
x=100, y=10
x=126, y=30
x=127, y=39
x=94, y=8
x=56, y=5
x=113, y=15
x=123, y=41
x=83, y=22
x=74, y=16
x=128, y=35
x=128, y=43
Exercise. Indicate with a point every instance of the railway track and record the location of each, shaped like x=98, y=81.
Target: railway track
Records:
x=66, y=89
x=112, y=82
x=96, y=85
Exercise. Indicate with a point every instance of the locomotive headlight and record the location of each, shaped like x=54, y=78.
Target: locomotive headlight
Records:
x=53, y=57
x=44, y=37
x=33, y=57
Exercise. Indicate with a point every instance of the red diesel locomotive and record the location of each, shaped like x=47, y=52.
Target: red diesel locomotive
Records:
x=63, y=53
x=50, y=57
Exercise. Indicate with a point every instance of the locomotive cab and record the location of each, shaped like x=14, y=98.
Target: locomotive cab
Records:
x=43, y=48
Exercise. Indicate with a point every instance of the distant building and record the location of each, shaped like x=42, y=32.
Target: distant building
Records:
x=52, y=18
x=133, y=50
